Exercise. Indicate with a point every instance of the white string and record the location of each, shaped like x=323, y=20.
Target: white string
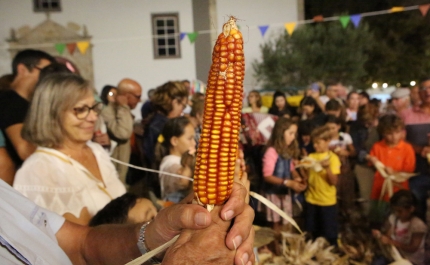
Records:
x=151, y=170
x=300, y=22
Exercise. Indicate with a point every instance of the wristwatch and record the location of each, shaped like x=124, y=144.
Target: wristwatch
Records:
x=142, y=246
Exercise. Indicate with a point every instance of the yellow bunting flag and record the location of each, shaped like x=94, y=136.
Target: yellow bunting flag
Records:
x=397, y=9
x=290, y=27
x=83, y=46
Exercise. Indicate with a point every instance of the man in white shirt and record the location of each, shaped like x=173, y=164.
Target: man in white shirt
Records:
x=30, y=234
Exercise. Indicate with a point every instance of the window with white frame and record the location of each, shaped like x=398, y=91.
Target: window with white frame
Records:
x=165, y=31
x=47, y=5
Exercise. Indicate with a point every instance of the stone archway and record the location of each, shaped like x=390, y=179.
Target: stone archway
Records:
x=46, y=36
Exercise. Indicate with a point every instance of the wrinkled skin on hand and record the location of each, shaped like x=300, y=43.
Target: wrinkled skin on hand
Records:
x=205, y=246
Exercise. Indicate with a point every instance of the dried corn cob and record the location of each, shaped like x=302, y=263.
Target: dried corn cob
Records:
x=217, y=153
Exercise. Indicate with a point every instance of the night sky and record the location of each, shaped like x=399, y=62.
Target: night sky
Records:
x=329, y=8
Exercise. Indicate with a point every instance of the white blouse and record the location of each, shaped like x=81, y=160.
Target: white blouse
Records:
x=59, y=183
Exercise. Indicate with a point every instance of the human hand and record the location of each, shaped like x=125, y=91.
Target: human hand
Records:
x=121, y=100
x=295, y=185
x=386, y=240
x=101, y=138
x=325, y=163
x=390, y=170
x=304, y=152
x=372, y=159
x=170, y=221
x=205, y=246
x=143, y=211
x=376, y=233
x=342, y=152
x=425, y=151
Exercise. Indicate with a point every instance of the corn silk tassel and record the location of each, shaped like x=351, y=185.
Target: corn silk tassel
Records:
x=218, y=146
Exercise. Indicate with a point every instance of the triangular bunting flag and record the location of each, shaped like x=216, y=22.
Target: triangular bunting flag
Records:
x=182, y=35
x=424, y=9
x=397, y=9
x=290, y=27
x=344, y=20
x=71, y=47
x=60, y=47
x=356, y=19
x=263, y=29
x=192, y=36
x=83, y=46
x=318, y=18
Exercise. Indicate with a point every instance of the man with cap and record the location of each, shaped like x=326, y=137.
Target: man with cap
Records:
x=400, y=100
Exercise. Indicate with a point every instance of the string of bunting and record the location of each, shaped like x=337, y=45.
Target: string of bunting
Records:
x=344, y=20
x=355, y=19
x=71, y=47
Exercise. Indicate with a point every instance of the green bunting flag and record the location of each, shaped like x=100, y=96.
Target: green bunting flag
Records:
x=344, y=20
x=192, y=36
x=60, y=47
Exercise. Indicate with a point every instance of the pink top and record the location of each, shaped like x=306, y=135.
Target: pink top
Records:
x=269, y=162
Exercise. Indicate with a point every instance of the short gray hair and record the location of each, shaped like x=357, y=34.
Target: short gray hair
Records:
x=53, y=96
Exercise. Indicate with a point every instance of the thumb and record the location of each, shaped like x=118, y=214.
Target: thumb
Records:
x=170, y=221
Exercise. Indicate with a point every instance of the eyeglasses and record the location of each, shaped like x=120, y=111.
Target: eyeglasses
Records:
x=180, y=102
x=37, y=67
x=83, y=112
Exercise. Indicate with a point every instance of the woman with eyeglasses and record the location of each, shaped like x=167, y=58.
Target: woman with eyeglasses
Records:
x=67, y=174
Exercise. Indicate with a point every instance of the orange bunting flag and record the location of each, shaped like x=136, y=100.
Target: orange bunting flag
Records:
x=424, y=9
x=71, y=47
x=83, y=46
x=290, y=27
x=318, y=18
x=397, y=9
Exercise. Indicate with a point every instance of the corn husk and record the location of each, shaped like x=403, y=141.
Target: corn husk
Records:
x=263, y=236
x=398, y=177
x=311, y=163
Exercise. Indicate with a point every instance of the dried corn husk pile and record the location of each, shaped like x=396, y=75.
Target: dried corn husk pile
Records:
x=297, y=251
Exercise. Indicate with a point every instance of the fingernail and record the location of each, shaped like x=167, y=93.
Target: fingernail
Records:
x=200, y=219
x=236, y=242
x=249, y=263
x=244, y=258
x=228, y=215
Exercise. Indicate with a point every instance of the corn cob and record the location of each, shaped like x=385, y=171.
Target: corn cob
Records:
x=218, y=145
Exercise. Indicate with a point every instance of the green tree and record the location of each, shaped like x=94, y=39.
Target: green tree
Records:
x=402, y=52
x=315, y=52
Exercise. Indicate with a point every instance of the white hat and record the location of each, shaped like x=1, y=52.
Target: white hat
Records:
x=400, y=93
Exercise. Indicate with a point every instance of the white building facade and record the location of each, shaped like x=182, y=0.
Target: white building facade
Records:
x=122, y=34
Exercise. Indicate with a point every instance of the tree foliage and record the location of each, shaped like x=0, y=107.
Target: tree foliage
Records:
x=392, y=48
x=401, y=53
x=315, y=52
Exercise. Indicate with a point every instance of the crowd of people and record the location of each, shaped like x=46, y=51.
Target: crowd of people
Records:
x=334, y=156
x=63, y=200
x=66, y=149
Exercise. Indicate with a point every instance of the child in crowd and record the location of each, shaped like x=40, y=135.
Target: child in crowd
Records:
x=311, y=111
x=278, y=170
x=321, y=207
x=404, y=230
x=126, y=209
x=397, y=156
x=305, y=142
x=176, y=139
x=341, y=144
